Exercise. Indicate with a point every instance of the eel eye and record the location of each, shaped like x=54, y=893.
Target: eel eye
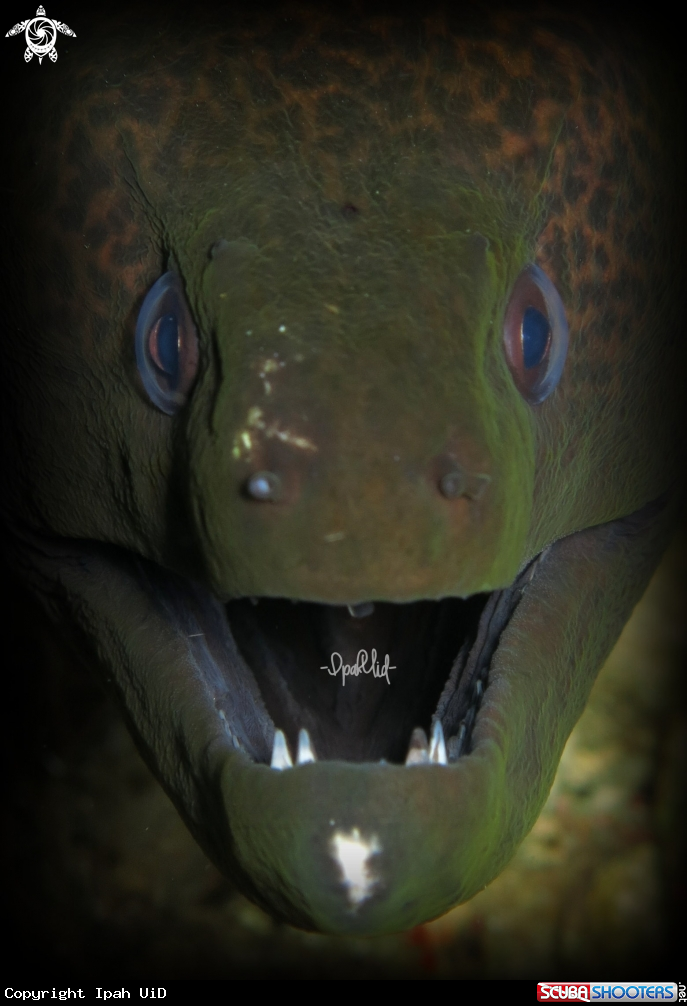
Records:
x=535, y=335
x=166, y=344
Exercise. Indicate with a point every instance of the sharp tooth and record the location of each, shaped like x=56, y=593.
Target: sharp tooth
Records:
x=478, y=689
x=361, y=610
x=305, y=748
x=418, y=749
x=456, y=743
x=437, y=747
x=280, y=752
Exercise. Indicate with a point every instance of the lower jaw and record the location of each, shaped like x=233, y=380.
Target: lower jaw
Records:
x=419, y=837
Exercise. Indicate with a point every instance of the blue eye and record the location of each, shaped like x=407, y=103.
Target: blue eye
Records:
x=535, y=337
x=166, y=344
x=165, y=349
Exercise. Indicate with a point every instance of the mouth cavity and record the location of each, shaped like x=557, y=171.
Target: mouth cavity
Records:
x=375, y=681
x=292, y=681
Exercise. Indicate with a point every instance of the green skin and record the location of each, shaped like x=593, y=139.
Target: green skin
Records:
x=388, y=323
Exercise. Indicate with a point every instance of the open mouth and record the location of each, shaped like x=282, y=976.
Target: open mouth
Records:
x=432, y=769
x=296, y=681
x=399, y=683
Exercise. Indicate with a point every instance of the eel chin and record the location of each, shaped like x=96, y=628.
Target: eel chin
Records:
x=372, y=803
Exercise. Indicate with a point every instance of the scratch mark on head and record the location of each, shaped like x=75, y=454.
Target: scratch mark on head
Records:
x=244, y=441
x=266, y=367
x=335, y=536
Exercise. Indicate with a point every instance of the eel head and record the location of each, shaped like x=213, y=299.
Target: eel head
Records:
x=343, y=409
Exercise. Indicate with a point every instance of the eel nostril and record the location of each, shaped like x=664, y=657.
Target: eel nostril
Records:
x=264, y=486
x=453, y=484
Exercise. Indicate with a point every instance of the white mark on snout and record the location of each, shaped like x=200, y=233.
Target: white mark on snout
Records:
x=287, y=437
x=255, y=421
x=269, y=367
x=352, y=854
x=335, y=536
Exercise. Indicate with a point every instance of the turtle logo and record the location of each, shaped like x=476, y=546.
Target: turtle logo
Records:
x=41, y=32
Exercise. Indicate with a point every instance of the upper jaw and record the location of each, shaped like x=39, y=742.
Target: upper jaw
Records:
x=426, y=835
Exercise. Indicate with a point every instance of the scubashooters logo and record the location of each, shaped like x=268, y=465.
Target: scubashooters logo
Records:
x=608, y=991
x=41, y=33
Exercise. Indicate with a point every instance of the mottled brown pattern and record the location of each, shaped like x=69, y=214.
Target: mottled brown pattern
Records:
x=525, y=103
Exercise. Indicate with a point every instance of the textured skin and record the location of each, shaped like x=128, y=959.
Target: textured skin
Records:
x=469, y=123
x=380, y=183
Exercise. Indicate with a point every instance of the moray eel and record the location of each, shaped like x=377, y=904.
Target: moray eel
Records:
x=346, y=339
